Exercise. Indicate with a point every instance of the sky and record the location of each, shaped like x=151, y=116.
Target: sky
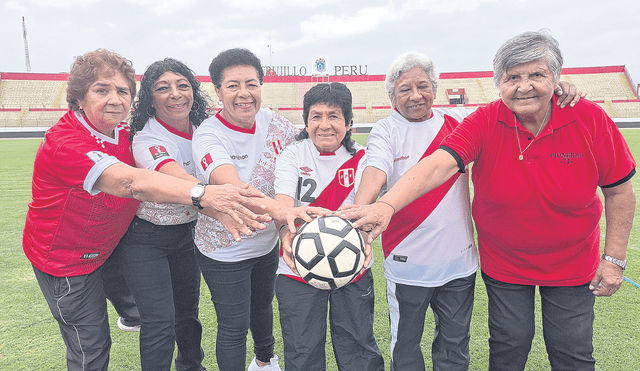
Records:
x=459, y=35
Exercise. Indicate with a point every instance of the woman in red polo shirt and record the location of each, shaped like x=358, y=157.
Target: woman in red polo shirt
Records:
x=536, y=171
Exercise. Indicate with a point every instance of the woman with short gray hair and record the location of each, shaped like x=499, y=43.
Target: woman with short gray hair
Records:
x=536, y=210
x=526, y=47
x=404, y=63
x=430, y=256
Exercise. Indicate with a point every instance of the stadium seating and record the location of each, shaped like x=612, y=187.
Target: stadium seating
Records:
x=39, y=100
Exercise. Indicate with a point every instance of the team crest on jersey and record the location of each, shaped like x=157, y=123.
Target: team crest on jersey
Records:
x=206, y=161
x=96, y=156
x=277, y=146
x=346, y=177
x=158, y=151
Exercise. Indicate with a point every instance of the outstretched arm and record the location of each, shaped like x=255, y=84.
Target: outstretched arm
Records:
x=235, y=228
x=123, y=180
x=373, y=179
x=426, y=175
x=278, y=211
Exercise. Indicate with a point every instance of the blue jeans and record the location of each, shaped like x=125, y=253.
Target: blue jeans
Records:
x=567, y=324
x=242, y=293
x=159, y=265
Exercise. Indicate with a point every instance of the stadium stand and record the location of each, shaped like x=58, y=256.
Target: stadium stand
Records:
x=33, y=100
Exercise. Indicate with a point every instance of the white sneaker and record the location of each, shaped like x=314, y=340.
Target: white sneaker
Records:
x=273, y=366
x=125, y=327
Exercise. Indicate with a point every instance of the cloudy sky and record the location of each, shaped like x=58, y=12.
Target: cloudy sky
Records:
x=459, y=35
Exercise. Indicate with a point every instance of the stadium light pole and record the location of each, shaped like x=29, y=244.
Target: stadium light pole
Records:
x=27, y=63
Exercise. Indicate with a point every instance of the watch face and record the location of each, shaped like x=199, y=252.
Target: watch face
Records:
x=197, y=191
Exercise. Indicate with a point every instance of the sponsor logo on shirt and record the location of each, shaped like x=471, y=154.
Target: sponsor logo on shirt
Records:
x=90, y=255
x=346, y=177
x=97, y=156
x=402, y=158
x=567, y=158
x=158, y=151
x=277, y=146
x=206, y=161
x=400, y=258
x=239, y=157
x=306, y=170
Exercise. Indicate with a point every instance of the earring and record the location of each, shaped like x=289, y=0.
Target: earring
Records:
x=196, y=106
x=151, y=114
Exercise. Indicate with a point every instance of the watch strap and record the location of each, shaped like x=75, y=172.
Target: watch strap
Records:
x=620, y=263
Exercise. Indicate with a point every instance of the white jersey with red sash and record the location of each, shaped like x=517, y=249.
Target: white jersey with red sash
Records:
x=317, y=179
x=430, y=241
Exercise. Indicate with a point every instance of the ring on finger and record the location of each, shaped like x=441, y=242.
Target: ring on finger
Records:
x=238, y=207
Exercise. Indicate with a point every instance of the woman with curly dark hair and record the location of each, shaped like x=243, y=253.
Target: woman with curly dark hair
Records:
x=143, y=108
x=157, y=252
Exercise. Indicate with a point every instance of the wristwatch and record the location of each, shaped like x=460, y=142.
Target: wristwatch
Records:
x=197, y=191
x=620, y=263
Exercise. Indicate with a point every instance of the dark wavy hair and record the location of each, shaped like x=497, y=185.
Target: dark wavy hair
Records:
x=86, y=69
x=334, y=94
x=230, y=58
x=142, y=108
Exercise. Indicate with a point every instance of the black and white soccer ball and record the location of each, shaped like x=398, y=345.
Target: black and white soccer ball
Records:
x=328, y=252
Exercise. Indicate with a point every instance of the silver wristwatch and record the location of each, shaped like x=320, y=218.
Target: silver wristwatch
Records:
x=197, y=191
x=620, y=263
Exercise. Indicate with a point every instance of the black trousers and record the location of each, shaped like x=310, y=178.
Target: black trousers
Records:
x=118, y=292
x=303, y=319
x=158, y=262
x=79, y=305
x=567, y=324
x=242, y=294
x=452, y=305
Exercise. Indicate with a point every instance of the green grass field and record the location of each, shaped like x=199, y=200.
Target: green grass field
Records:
x=30, y=339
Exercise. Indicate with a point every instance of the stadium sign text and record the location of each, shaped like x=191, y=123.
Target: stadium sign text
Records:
x=345, y=70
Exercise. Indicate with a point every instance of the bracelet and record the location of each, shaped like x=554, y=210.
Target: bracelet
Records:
x=280, y=230
x=386, y=203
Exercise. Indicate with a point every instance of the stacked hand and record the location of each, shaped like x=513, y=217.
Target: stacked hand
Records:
x=293, y=216
x=372, y=219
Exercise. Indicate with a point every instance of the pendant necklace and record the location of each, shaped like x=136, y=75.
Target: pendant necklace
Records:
x=521, y=157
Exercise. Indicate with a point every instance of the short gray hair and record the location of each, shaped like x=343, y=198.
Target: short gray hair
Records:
x=528, y=47
x=404, y=63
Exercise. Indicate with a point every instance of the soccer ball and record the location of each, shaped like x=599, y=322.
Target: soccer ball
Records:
x=328, y=252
